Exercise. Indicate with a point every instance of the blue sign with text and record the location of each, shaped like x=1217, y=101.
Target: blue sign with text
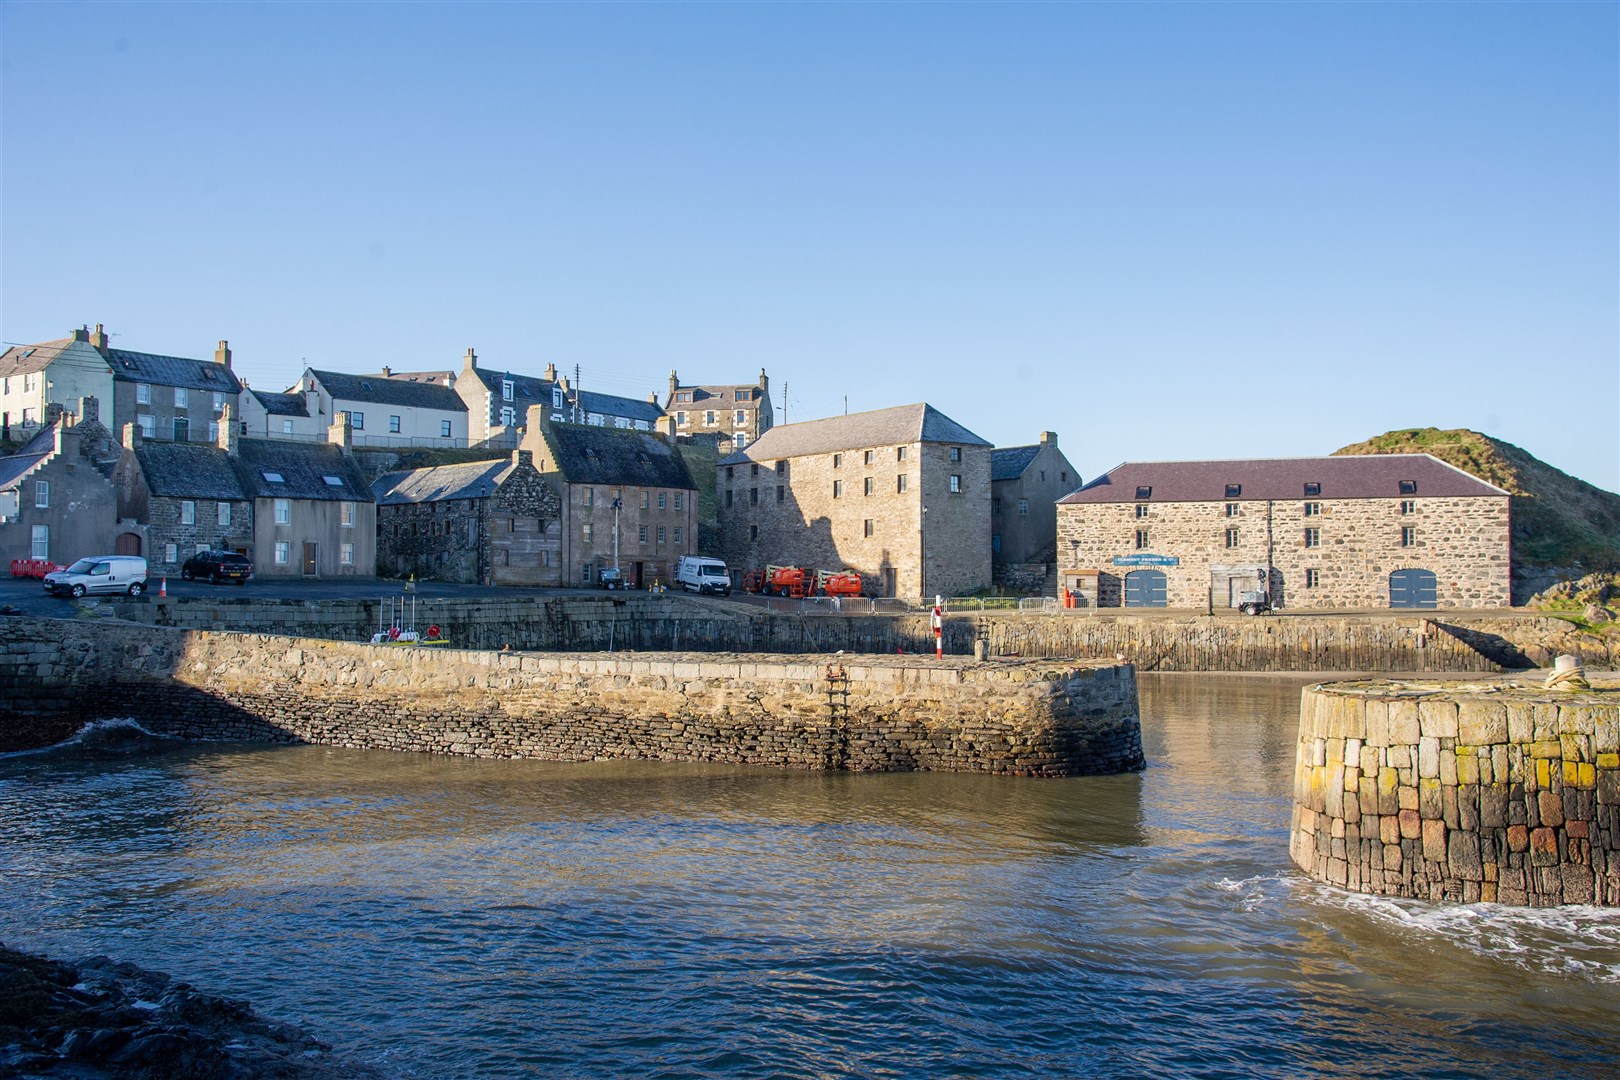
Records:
x=1147, y=560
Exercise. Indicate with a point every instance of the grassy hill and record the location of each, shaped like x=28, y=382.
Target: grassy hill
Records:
x=1557, y=520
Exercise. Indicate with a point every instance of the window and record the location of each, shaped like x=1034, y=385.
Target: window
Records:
x=641, y=534
x=731, y=473
x=42, y=495
x=753, y=469
x=508, y=416
x=867, y=457
x=680, y=419
x=900, y=483
x=741, y=417
x=866, y=527
x=28, y=419
x=1231, y=538
x=663, y=500
x=588, y=496
x=838, y=460
x=182, y=429
x=1043, y=476
x=1313, y=509
x=225, y=515
x=182, y=400
x=283, y=552
x=660, y=534
x=838, y=489
x=646, y=500
x=1313, y=538
x=585, y=532
x=332, y=481
x=213, y=431
x=956, y=453
x=781, y=493
x=679, y=499
x=753, y=496
x=143, y=396
x=1408, y=487
x=1312, y=578
x=357, y=420
x=283, y=511
x=1144, y=491
x=1023, y=506
x=1408, y=506
x=273, y=478
x=870, y=485
x=585, y=573
x=1141, y=539
x=171, y=553
x=753, y=532
x=557, y=398
x=1408, y=537
x=781, y=468
x=286, y=427
x=1313, y=489
x=677, y=535
x=346, y=514
x=346, y=554
x=995, y=507
x=506, y=389
x=393, y=424
x=219, y=402
x=995, y=543
x=956, y=483
x=1141, y=510
x=1232, y=509
x=738, y=439
x=684, y=396
x=188, y=512
x=728, y=498
x=39, y=542
x=444, y=429
x=899, y=453
x=1234, y=491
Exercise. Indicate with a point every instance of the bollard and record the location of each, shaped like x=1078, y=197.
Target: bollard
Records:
x=163, y=586
x=979, y=649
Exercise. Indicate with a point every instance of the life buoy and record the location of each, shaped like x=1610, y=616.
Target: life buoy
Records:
x=433, y=632
x=393, y=633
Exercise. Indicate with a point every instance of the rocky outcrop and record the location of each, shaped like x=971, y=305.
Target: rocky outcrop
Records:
x=99, y=1018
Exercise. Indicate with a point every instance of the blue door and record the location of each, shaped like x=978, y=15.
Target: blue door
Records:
x=1413, y=589
x=1145, y=588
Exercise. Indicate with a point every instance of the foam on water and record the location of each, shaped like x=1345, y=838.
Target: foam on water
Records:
x=98, y=734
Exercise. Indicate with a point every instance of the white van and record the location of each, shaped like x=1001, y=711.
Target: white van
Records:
x=100, y=574
x=703, y=574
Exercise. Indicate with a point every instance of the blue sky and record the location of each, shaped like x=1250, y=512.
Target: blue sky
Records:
x=1161, y=230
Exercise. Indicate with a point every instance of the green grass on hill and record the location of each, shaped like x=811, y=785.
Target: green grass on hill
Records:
x=1558, y=520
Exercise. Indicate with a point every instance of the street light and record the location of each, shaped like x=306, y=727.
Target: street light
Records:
x=618, y=504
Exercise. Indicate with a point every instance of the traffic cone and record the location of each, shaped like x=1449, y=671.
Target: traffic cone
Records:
x=163, y=586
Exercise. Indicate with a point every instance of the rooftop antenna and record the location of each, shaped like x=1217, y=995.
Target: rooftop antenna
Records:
x=784, y=401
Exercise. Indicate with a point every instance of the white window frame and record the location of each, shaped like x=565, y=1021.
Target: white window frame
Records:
x=283, y=511
x=506, y=389
x=224, y=515
x=283, y=552
x=143, y=393
x=42, y=494
x=393, y=425
x=188, y=512
x=182, y=398
x=39, y=542
x=171, y=553
x=346, y=514
x=346, y=554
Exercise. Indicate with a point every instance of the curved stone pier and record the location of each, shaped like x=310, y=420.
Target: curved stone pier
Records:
x=1485, y=791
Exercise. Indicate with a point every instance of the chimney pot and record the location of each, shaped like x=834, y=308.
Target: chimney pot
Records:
x=132, y=437
x=1049, y=437
x=387, y=371
x=98, y=340
x=222, y=355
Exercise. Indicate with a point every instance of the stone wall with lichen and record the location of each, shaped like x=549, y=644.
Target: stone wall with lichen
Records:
x=1474, y=792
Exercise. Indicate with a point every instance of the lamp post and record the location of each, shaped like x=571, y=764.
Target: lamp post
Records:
x=618, y=504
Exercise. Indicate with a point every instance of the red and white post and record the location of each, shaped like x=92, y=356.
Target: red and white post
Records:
x=937, y=620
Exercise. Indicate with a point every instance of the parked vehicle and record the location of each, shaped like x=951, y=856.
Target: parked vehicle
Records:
x=1254, y=602
x=703, y=574
x=217, y=566
x=838, y=583
x=611, y=577
x=99, y=574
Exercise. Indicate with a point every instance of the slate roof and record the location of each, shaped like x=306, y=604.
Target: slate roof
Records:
x=468, y=480
x=881, y=427
x=23, y=359
x=302, y=466
x=614, y=405
x=172, y=371
x=526, y=390
x=1375, y=476
x=387, y=390
x=602, y=455
x=43, y=441
x=282, y=404
x=15, y=467
x=1009, y=463
x=189, y=471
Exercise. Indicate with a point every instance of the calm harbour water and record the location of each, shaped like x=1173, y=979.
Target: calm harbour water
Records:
x=445, y=917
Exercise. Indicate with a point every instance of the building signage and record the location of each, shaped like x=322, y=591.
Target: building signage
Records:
x=1147, y=560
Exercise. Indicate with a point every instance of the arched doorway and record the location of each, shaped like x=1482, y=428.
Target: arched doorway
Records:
x=1413, y=588
x=127, y=544
x=1146, y=588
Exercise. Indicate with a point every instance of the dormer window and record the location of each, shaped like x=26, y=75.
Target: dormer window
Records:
x=506, y=389
x=1234, y=491
x=1313, y=489
x=1144, y=491
x=273, y=478
x=556, y=397
x=1408, y=487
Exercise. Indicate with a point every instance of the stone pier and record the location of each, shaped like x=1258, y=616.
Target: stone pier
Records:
x=1470, y=792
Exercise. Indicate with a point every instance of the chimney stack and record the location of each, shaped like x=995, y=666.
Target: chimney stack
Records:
x=469, y=363
x=132, y=437
x=674, y=381
x=522, y=458
x=228, y=432
x=387, y=371
x=340, y=433
x=1048, y=438
x=222, y=355
x=53, y=413
x=666, y=428
x=764, y=383
x=98, y=340
x=81, y=334
x=551, y=373
x=89, y=409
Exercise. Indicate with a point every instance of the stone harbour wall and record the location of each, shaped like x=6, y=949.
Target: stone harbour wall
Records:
x=1035, y=718
x=1476, y=792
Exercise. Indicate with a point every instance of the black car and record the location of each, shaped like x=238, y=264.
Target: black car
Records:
x=218, y=566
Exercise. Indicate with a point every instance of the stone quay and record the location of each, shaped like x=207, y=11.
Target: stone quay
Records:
x=1490, y=791
x=1017, y=717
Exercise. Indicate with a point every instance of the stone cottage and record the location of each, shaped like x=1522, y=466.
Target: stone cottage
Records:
x=496, y=522
x=1025, y=485
x=171, y=397
x=58, y=501
x=901, y=495
x=188, y=496
x=737, y=414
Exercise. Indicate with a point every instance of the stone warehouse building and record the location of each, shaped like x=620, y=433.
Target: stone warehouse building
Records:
x=901, y=495
x=1394, y=530
x=1025, y=485
x=481, y=521
x=630, y=485
x=737, y=414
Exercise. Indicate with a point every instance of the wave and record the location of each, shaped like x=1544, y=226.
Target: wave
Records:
x=118, y=734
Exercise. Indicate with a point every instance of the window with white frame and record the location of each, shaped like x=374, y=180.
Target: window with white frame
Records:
x=346, y=514
x=213, y=431
x=444, y=429
x=663, y=500
x=143, y=393
x=357, y=420
x=283, y=511
x=506, y=389
x=145, y=422
x=182, y=398
x=346, y=554
x=201, y=548
x=1023, y=506
x=508, y=416
x=286, y=427
x=742, y=416
x=42, y=494
x=660, y=534
x=171, y=553
x=283, y=552
x=225, y=515
x=586, y=532
x=956, y=484
x=39, y=542
x=679, y=499
x=677, y=535
x=219, y=402
x=188, y=512
x=393, y=424
x=680, y=419
x=556, y=397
